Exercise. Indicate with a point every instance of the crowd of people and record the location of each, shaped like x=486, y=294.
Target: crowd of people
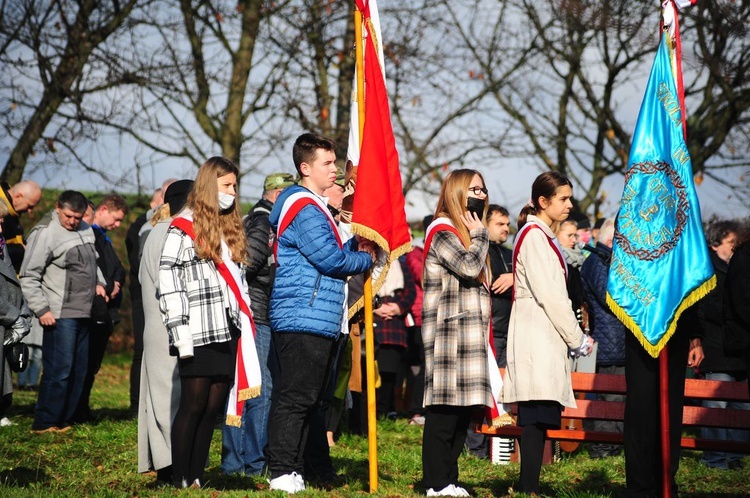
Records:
x=248, y=318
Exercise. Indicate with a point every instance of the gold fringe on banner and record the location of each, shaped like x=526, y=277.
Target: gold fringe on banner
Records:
x=690, y=300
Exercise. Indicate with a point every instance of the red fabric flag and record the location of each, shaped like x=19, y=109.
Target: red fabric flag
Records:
x=378, y=208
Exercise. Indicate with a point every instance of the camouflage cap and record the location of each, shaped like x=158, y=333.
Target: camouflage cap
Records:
x=276, y=181
x=340, y=177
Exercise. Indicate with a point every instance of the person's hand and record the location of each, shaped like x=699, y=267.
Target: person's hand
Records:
x=115, y=291
x=100, y=291
x=589, y=346
x=47, y=319
x=471, y=221
x=368, y=246
x=695, y=356
x=388, y=311
x=502, y=283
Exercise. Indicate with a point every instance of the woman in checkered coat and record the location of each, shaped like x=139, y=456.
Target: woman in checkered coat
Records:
x=455, y=327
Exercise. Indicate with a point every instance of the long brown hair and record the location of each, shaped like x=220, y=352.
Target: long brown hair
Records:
x=452, y=202
x=209, y=222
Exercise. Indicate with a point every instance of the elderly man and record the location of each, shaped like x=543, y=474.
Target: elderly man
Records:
x=20, y=198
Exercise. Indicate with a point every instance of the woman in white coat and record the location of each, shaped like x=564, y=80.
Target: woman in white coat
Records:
x=543, y=330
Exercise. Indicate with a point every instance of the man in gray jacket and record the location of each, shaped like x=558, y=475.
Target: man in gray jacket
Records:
x=59, y=278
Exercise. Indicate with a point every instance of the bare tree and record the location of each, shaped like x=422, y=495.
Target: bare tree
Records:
x=211, y=91
x=57, y=57
x=716, y=45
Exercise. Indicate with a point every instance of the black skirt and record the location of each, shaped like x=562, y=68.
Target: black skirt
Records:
x=211, y=360
x=542, y=412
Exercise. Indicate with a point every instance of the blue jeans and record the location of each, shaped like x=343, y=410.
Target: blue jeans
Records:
x=65, y=352
x=243, y=448
x=30, y=376
x=720, y=459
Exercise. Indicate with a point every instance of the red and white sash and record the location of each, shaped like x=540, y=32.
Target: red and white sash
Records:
x=496, y=414
x=291, y=208
x=521, y=235
x=247, y=377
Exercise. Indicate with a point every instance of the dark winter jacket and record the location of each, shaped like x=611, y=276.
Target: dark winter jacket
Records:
x=607, y=329
x=501, y=261
x=261, y=268
x=737, y=305
x=710, y=313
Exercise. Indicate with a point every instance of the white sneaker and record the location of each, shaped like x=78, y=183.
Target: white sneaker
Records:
x=449, y=490
x=300, y=481
x=5, y=422
x=461, y=491
x=289, y=483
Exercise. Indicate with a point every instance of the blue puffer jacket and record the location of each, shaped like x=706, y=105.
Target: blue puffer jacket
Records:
x=607, y=329
x=308, y=291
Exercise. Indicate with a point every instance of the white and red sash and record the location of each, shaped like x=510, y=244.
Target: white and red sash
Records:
x=291, y=208
x=496, y=414
x=247, y=376
x=520, y=236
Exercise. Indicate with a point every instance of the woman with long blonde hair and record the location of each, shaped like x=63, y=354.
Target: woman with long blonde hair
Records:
x=455, y=327
x=204, y=303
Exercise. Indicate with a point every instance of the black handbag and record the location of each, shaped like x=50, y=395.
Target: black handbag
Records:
x=17, y=356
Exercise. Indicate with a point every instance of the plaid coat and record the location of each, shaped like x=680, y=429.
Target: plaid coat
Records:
x=455, y=321
x=191, y=296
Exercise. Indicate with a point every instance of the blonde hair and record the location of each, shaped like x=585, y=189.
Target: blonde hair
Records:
x=3, y=210
x=209, y=222
x=452, y=203
x=161, y=213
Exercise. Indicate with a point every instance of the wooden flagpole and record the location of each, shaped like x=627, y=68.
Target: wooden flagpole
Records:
x=372, y=428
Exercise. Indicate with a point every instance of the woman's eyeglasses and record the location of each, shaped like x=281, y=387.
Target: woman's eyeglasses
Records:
x=478, y=190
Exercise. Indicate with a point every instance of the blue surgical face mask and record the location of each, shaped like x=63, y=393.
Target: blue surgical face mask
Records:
x=226, y=201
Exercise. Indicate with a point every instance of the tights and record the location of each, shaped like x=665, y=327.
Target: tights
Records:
x=532, y=451
x=201, y=400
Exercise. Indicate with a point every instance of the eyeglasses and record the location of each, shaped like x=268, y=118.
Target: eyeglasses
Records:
x=478, y=190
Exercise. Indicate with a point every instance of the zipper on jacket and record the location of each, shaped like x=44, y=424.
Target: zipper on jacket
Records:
x=315, y=291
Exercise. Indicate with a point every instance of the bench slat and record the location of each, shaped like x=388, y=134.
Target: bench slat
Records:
x=513, y=431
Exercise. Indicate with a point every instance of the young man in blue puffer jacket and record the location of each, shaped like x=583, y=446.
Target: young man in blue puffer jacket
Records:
x=307, y=304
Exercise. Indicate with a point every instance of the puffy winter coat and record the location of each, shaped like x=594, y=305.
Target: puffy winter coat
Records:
x=607, y=329
x=311, y=271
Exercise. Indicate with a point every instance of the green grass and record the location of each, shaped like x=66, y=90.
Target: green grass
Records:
x=100, y=459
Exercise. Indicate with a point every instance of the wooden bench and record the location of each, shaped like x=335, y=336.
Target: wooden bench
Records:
x=693, y=416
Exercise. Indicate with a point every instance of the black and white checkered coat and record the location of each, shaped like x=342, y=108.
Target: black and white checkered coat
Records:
x=455, y=321
x=192, y=296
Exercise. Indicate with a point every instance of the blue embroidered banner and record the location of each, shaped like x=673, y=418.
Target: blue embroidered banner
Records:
x=660, y=263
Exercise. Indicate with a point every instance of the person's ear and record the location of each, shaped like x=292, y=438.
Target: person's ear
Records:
x=543, y=202
x=304, y=169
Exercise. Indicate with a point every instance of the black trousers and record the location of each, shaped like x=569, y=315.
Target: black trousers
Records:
x=642, y=423
x=442, y=443
x=304, y=364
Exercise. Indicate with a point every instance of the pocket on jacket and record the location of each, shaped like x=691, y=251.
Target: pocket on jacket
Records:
x=457, y=316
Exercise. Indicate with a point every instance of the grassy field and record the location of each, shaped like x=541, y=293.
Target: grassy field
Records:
x=100, y=459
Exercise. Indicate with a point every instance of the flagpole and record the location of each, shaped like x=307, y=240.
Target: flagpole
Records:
x=372, y=428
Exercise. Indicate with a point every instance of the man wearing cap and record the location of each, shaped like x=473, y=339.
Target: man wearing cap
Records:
x=242, y=451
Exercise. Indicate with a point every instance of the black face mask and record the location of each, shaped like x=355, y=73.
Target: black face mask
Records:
x=476, y=206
